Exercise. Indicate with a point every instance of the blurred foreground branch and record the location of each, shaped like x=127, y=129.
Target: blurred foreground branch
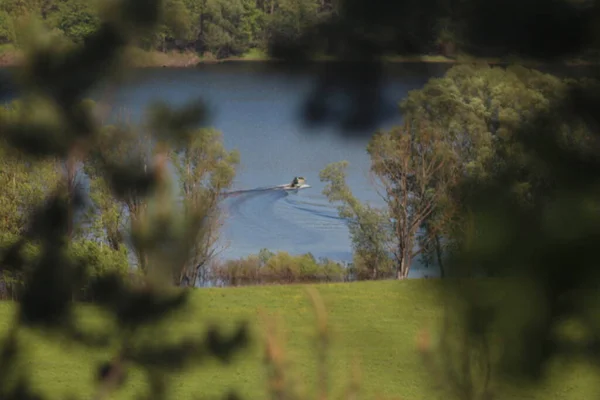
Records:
x=53, y=121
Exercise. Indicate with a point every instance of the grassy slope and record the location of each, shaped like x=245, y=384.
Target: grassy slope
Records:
x=375, y=321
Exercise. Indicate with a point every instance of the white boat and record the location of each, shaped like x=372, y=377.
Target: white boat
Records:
x=297, y=183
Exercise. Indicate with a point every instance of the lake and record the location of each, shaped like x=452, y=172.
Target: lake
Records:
x=258, y=111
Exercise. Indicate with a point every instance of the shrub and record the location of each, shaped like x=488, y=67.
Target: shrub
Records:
x=100, y=261
x=275, y=268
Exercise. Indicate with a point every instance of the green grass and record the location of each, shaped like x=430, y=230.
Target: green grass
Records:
x=374, y=322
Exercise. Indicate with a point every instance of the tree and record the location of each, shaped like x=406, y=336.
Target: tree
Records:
x=7, y=29
x=77, y=19
x=204, y=168
x=367, y=225
x=414, y=166
x=176, y=25
x=292, y=18
x=480, y=108
x=252, y=26
x=114, y=218
x=106, y=215
x=24, y=184
x=20, y=7
x=228, y=27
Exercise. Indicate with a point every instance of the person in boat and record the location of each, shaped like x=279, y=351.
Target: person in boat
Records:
x=298, y=180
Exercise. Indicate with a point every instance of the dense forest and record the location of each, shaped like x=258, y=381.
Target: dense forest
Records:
x=251, y=28
x=219, y=28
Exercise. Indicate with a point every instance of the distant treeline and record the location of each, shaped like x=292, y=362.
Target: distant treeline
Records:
x=219, y=28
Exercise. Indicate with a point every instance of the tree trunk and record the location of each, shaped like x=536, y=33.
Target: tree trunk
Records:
x=438, y=252
x=404, y=268
x=70, y=194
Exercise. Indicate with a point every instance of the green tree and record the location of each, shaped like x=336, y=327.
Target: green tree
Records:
x=291, y=18
x=19, y=7
x=204, y=170
x=252, y=26
x=226, y=26
x=370, y=236
x=176, y=25
x=113, y=218
x=24, y=182
x=414, y=166
x=7, y=29
x=480, y=109
x=77, y=19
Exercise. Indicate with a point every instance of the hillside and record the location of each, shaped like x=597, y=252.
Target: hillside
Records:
x=375, y=321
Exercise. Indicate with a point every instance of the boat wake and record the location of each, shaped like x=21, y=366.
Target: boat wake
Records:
x=285, y=219
x=248, y=191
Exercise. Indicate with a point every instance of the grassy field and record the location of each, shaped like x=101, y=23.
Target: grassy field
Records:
x=375, y=323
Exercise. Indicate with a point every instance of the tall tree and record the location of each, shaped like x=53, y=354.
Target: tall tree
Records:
x=24, y=184
x=114, y=217
x=204, y=169
x=414, y=166
x=370, y=236
x=480, y=110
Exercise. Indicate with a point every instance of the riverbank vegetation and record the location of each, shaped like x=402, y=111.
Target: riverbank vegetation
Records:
x=198, y=31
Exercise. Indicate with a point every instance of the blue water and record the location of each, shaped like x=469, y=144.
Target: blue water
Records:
x=258, y=112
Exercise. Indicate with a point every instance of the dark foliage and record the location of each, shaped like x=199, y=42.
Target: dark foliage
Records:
x=55, y=80
x=551, y=244
x=361, y=32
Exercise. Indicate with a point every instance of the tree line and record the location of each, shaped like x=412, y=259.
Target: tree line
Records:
x=220, y=28
x=230, y=28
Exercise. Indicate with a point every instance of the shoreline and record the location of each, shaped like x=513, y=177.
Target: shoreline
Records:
x=138, y=58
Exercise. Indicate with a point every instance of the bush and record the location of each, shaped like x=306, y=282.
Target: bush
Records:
x=362, y=268
x=275, y=268
x=7, y=29
x=101, y=261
